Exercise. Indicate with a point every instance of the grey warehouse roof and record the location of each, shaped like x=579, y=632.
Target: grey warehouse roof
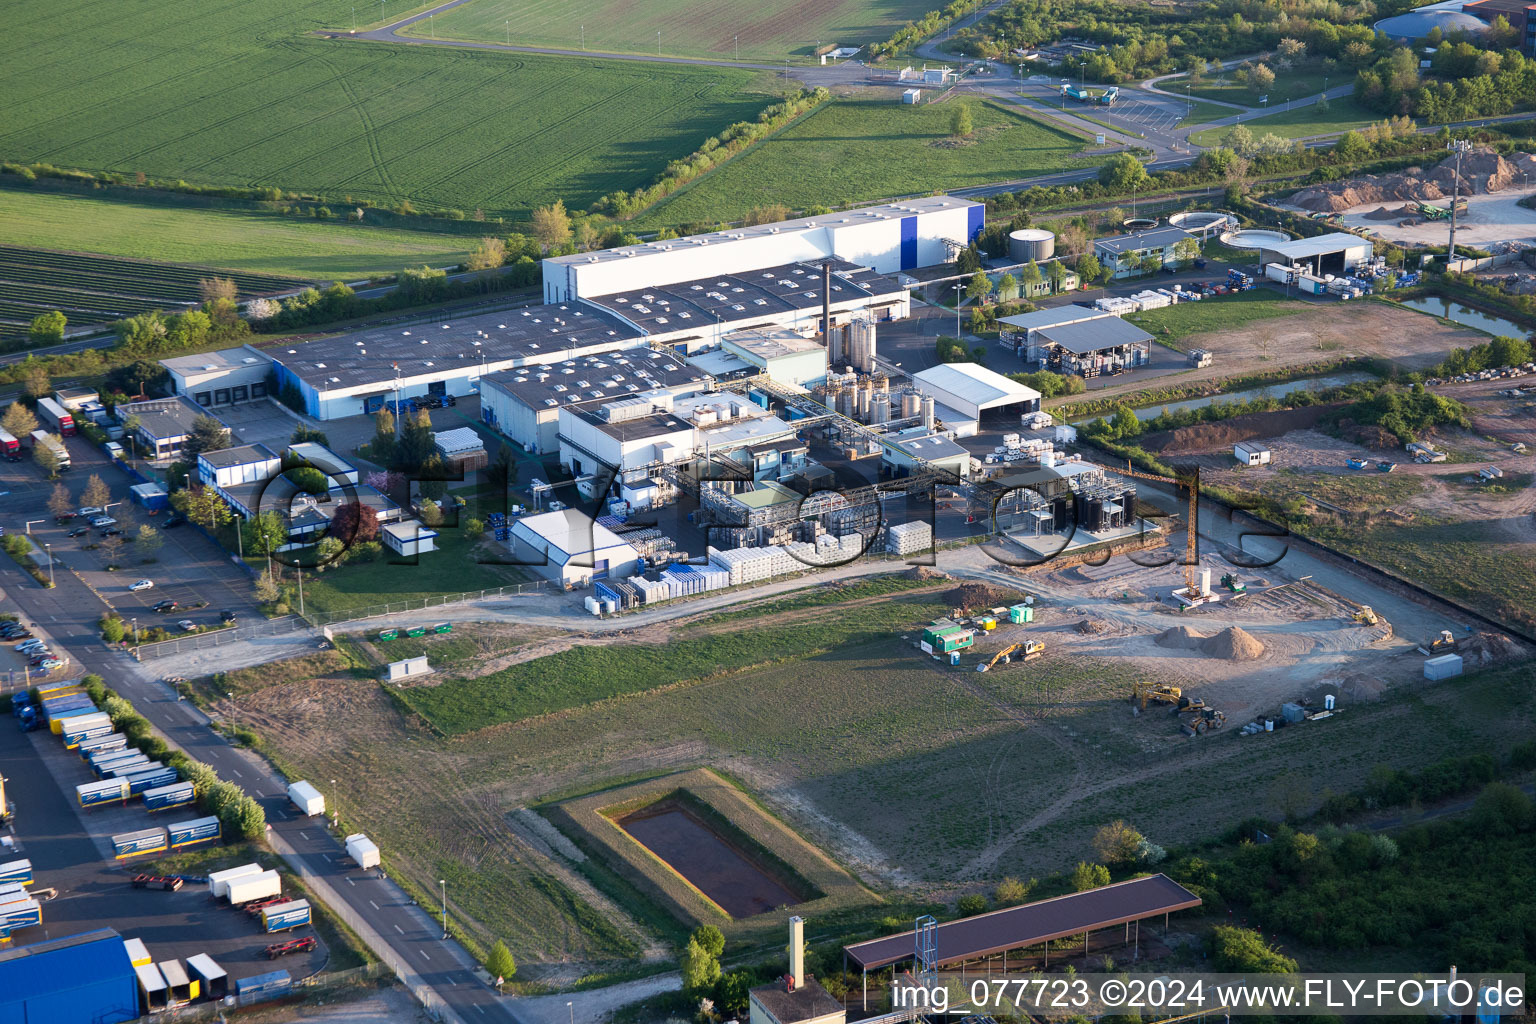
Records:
x=932, y=447
x=165, y=418
x=1304, y=248
x=606, y=376
x=1418, y=24
x=1070, y=314
x=1095, y=335
x=727, y=298
x=976, y=384
x=368, y=357
x=1152, y=238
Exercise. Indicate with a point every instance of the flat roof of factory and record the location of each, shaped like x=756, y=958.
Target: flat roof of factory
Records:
x=607, y=375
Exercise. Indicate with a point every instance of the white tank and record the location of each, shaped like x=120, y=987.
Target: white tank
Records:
x=1031, y=244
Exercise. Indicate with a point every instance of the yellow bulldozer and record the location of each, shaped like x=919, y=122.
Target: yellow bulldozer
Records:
x=1143, y=694
x=1013, y=652
x=1365, y=616
x=1445, y=643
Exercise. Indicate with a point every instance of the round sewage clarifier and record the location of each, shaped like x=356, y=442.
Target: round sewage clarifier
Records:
x=1203, y=221
x=1253, y=238
x=1139, y=223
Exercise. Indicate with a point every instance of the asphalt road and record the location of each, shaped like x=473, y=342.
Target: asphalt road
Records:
x=401, y=932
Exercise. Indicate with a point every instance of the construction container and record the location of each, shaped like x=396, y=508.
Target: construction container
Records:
x=212, y=980
x=306, y=798
x=111, y=743
x=1446, y=666
x=1021, y=613
x=282, y=917
x=163, y=798
x=253, y=887
x=179, y=988
x=362, y=850
x=90, y=794
x=1292, y=712
x=136, y=844
x=138, y=953
x=16, y=871
x=189, y=833
x=153, y=991
x=218, y=881
x=262, y=987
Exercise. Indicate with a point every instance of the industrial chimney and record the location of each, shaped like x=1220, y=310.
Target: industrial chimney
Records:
x=796, y=954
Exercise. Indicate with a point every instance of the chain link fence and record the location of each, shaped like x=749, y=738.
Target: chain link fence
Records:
x=440, y=601
x=220, y=637
x=316, y=984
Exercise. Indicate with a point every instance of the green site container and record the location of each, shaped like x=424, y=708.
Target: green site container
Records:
x=443, y=627
x=958, y=641
x=416, y=631
x=1021, y=613
x=389, y=634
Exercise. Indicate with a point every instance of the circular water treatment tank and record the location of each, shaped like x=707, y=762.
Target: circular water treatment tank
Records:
x=1203, y=221
x=1253, y=238
x=1031, y=244
x=1139, y=223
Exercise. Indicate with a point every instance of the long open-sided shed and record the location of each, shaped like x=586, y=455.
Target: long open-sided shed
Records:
x=1033, y=924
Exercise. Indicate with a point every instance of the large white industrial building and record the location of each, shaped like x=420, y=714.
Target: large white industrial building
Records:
x=968, y=395
x=890, y=238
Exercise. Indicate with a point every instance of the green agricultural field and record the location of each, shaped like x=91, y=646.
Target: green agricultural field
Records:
x=870, y=147
x=239, y=94
x=1215, y=313
x=225, y=240
x=761, y=32
x=1342, y=115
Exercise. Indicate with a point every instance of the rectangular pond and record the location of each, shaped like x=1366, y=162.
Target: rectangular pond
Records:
x=713, y=865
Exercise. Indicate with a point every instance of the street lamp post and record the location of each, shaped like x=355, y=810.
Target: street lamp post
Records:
x=135, y=632
x=959, y=288
x=444, y=883
x=1457, y=146
x=49, y=549
x=572, y=1010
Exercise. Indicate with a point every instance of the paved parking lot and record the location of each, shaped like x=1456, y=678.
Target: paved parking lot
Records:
x=188, y=568
x=69, y=853
x=258, y=423
x=1157, y=116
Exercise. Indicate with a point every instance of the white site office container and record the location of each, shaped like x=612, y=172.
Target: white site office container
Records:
x=1446, y=666
x=362, y=850
x=218, y=881
x=306, y=798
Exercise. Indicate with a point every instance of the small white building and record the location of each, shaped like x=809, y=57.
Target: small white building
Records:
x=226, y=377
x=906, y=452
x=912, y=96
x=247, y=464
x=409, y=537
x=782, y=354
x=966, y=394
x=1250, y=453
x=571, y=548
x=337, y=469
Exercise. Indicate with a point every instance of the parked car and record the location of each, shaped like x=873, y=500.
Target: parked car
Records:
x=226, y=616
x=33, y=644
x=51, y=664
x=90, y=510
x=66, y=517
x=102, y=520
x=173, y=521
x=80, y=531
x=187, y=626
x=25, y=634
x=111, y=531
x=167, y=606
x=142, y=585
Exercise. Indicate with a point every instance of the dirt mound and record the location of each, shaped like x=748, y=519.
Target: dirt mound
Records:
x=1371, y=436
x=922, y=572
x=1180, y=638
x=1487, y=649
x=1233, y=644
x=1092, y=626
x=975, y=596
x=1206, y=437
x=1385, y=213
x=1482, y=170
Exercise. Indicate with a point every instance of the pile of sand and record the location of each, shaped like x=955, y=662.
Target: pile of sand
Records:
x=1385, y=213
x=1092, y=626
x=1180, y=638
x=1482, y=170
x=1233, y=644
x=976, y=596
x=922, y=572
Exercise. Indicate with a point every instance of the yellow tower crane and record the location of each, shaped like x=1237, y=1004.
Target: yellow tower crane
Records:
x=1191, y=482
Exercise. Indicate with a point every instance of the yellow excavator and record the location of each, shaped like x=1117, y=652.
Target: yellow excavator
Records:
x=1155, y=693
x=1365, y=616
x=1020, y=651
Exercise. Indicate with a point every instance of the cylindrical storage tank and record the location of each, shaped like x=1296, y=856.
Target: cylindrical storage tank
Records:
x=880, y=409
x=1028, y=244
x=928, y=414
x=911, y=404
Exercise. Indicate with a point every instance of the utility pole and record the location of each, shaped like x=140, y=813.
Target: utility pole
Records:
x=1458, y=146
x=959, y=290
x=49, y=548
x=444, y=883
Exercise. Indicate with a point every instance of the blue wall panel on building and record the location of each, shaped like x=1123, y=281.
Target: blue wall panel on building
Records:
x=908, y=243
